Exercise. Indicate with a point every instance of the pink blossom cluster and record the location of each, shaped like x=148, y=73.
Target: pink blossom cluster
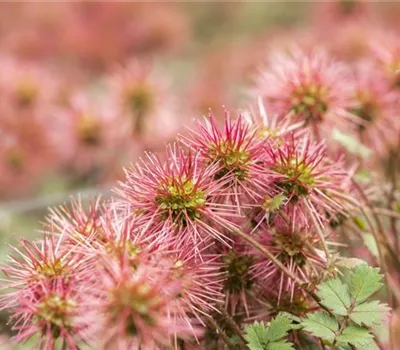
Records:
x=148, y=268
x=239, y=217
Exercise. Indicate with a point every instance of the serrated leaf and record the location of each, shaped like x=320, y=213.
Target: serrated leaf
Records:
x=321, y=324
x=335, y=295
x=280, y=346
x=364, y=282
x=278, y=328
x=256, y=336
x=354, y=335
x=351, y=144
x=369, y=313
x=370, y=242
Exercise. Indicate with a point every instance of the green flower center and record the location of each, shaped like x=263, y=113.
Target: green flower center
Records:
x=181, y=200
x=56, y=310
x=233, y=159
x=310, y=101
x=139, y=299
x=126, y=248
x=51, y=270
x=298, y=180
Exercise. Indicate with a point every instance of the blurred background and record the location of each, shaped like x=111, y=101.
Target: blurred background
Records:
x=85, y=88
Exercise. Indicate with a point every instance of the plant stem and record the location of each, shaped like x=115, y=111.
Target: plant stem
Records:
x=221, y=333
x=234, y=326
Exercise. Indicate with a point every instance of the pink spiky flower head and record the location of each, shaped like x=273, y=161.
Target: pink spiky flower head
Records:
x=76, y=221
x=304, y=175
x=386, y=48
x=293, y=242
x=202, y=281
x=46, y=261
x=93, y=131
x=53, y=312
x=236, y=150
x=376, y=105
x=26, y=87
x=139, y=92
x=176, y=196
x=42, y=284
x=309, y=87
x=132, y=308
x=236, y=263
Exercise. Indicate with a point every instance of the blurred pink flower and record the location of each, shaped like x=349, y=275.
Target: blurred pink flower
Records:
x=311, y=88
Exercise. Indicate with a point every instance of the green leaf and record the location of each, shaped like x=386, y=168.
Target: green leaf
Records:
x=369, y=313
x=370, y=242
x=351, y=144
x=256, y=336
x=354, y=335
x=259, y=337
x=335, y=295
x=279, y=328
x=280, y=346
x=364, y=282
x=322, y=325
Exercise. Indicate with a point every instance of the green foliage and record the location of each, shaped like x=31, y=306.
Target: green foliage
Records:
x=351, y=313
x=354, y=335
x=351, y=144
x=335, y=296
x=364, y=282
x=269, y=337
x=368, y=313
x=322, y=325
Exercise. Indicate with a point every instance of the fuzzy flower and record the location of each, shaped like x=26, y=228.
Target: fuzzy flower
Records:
x=26, y=152
x=202, y=281
x=237, y=150
x=140, y=94
x=305, y=176
x=133, y=310
x=47, y=262
x=26, y=87
x=51, y=311
x=236, y=264
x=177, y=197
x=386, y=48
x=297, y=246
x=310, y=88
x=78, y=223
x=41, y=287
x=93, y=134
x=375, y=104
